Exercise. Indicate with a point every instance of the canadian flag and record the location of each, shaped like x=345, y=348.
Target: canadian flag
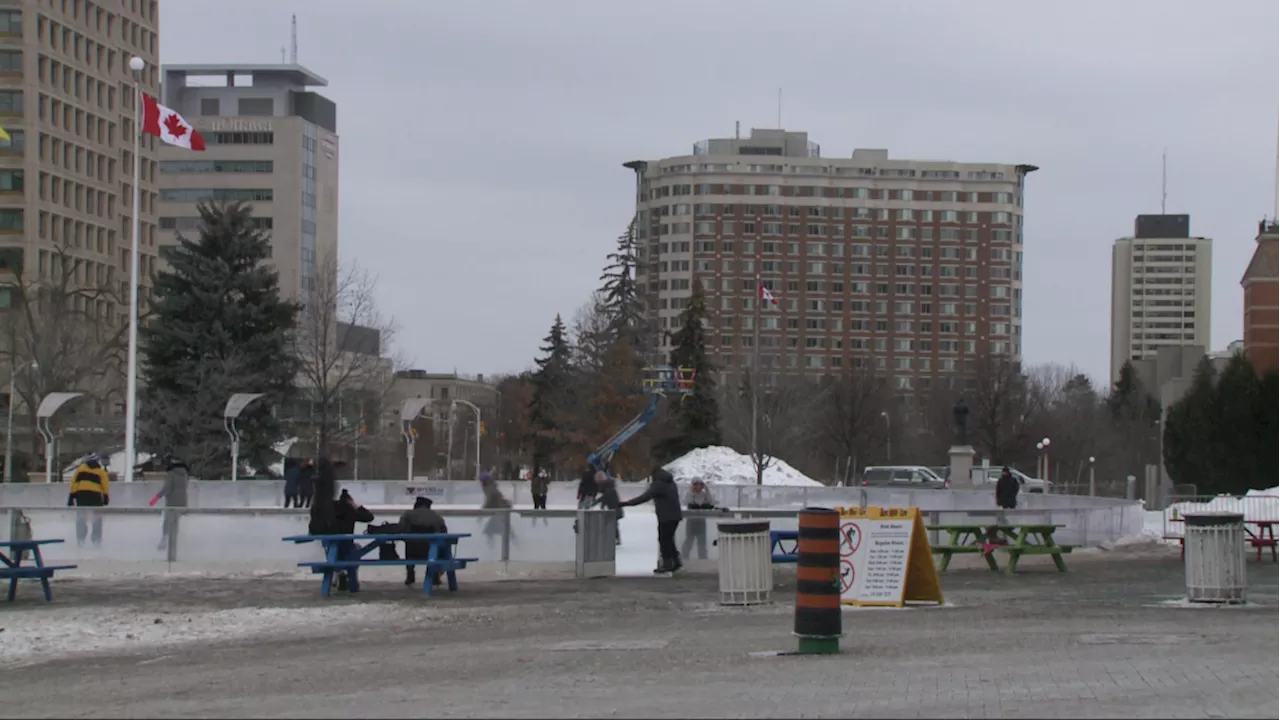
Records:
x=169, y=126
x=767, y=296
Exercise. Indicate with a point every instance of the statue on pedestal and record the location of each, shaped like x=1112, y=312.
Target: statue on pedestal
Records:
x=961, y=412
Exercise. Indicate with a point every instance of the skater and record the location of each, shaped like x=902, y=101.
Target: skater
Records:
x=587, y=489
x=292, y=475
x=421, y=519
x=538, y=486
x=698, y=498
x=174, y=493
x=306, y=482
x=494, y=500
x=1006, y=499
x=90, y=488
x=608, y=499
x=665, y=495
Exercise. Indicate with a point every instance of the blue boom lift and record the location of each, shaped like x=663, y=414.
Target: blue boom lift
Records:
x=658, y=382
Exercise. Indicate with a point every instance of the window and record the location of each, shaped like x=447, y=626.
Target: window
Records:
x=210, y=107
x=223, y=194
x=256, y=107
x=10, y=220
x=216, y=166
x=10, y=102
x=11, y=181
x=11, y=23
x=239, y=138
x=193, y=223
x=11, y=62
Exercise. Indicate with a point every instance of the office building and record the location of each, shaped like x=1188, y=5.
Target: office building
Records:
x=1262, y=300
x=1160, y=289
x=909, y=268
x=67, y=103
x=271, y=142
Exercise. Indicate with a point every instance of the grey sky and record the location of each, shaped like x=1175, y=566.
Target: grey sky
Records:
x=482, y=142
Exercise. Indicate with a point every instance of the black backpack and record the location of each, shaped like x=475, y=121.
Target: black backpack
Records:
x=386, y=551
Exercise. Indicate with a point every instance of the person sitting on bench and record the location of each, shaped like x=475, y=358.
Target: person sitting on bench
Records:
x=421, y=519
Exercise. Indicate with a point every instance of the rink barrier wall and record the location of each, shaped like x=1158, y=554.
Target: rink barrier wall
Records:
x=236, y=539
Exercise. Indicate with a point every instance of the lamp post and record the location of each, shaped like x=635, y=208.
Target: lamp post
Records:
x=476, y=410
x=1042, y=460
x=8, y=436
x=1092, y=487
x=888, y=437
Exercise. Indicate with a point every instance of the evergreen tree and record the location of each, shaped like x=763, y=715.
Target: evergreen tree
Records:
x=696, y=415
x=217, y=327
x=1130, y=399
x=551, y=388
x=1242, y=437
x=620, y=296
x=1190, y=452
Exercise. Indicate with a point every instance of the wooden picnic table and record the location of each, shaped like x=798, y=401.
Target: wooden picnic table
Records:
x=1016, y=539
x=344, y=553
x=11, y=566
x=1260, y=538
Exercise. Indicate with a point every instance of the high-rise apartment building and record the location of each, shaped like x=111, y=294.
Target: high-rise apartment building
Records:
x=271, y=142
x=1160, y=286
x=67, y=103
x=908, y=268
x=1261, y=283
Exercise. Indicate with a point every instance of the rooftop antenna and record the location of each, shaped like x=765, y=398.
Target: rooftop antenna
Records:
x=1164, y=179
x=1275, y=217
x=737, y=134
x=293, y=39
x=779, y=108
x=282, y=62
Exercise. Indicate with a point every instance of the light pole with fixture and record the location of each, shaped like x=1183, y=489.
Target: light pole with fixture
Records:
x=1042, y=460
x=8, y=436
x=476, y=410
x=1092, y=488
x=888, y=438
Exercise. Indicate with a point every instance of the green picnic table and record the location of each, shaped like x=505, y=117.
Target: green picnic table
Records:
x=1016, y=539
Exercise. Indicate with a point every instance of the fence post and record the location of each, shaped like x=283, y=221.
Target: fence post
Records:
x=506, y=536
x=171, y=517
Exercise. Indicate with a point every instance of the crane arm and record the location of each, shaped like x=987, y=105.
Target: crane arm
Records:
x=605, y=452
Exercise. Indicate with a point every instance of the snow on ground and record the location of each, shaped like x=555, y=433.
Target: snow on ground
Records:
x=719, y=465
x=35, y=636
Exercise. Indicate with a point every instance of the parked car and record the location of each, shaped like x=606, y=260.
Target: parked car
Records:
x=904, y=476
x=989, y=476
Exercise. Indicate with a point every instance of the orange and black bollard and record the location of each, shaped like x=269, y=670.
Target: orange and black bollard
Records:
x=818, y=621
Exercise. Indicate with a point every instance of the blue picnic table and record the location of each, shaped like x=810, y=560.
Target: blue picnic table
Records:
x=780, y=551
x=11, y=566
x=345, y=553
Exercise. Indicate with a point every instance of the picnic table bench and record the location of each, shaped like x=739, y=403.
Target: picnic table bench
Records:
x=11, y=566
x=1016, y=539
x=1260, y=538
x=345, y=553
x=780, y=552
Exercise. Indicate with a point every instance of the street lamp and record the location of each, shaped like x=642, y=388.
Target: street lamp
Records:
x=8, y=436
x=1043, y=460
x=478, y=426
x=888, y=437
x=1092, y=488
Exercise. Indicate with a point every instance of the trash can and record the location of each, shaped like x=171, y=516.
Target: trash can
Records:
x=1215, y=557
x=746, y=562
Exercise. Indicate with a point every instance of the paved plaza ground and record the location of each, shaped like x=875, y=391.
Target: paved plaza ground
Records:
x=1107, y=639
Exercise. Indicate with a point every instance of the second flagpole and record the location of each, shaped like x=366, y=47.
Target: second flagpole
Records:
x=755, y=385
x=137, y=65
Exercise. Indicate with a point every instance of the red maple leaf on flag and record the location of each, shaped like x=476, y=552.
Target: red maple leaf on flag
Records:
x=174, y=125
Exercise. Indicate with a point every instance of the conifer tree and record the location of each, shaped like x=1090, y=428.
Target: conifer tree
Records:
x=217, y=327
x=620, y=296
x=696, y=415
x=551, y=395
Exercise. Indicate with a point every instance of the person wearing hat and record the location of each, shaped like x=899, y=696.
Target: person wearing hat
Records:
x=421, y=519
x=90, y=487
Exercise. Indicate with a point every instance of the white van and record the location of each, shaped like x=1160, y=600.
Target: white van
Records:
x=989, y=476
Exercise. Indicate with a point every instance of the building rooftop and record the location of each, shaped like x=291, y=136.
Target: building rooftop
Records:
x=293, y=73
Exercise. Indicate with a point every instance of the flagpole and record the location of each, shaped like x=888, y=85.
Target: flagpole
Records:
x=131, y=400
x=755, y=386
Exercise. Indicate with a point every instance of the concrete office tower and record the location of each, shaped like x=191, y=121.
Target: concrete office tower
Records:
x=1160, y=286
x=907, y=267
x=271, y=142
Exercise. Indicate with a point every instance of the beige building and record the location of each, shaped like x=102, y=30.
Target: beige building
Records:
x=271, y=142
x=907, y=267
x=1160, y=289
x=67, y=103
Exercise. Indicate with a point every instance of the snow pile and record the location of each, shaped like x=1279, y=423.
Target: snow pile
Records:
x=719, y=465
x=1255, y=505
x=1146, y=539
x=41, y=635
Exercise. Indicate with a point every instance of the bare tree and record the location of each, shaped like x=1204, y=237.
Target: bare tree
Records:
x=340, y=344
x=1005, y=407
x=785, y=414
x=850, y=415
x=65, y=331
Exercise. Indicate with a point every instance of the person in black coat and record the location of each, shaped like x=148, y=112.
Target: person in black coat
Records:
x=587, y=488
x=291, y=475
x=306, y=482
x=665, y=495
x=1007, y=490
x=421, y=519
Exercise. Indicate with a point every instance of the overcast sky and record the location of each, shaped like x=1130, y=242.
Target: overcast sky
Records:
x=482, y=142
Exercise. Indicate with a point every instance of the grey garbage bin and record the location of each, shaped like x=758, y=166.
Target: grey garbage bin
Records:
x=1215, y=571
x=746, y=562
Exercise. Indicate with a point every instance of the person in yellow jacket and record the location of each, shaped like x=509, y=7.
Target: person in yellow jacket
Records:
x=90, y=488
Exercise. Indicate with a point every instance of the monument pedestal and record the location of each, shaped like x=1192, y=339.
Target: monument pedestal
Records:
x=961, y=466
